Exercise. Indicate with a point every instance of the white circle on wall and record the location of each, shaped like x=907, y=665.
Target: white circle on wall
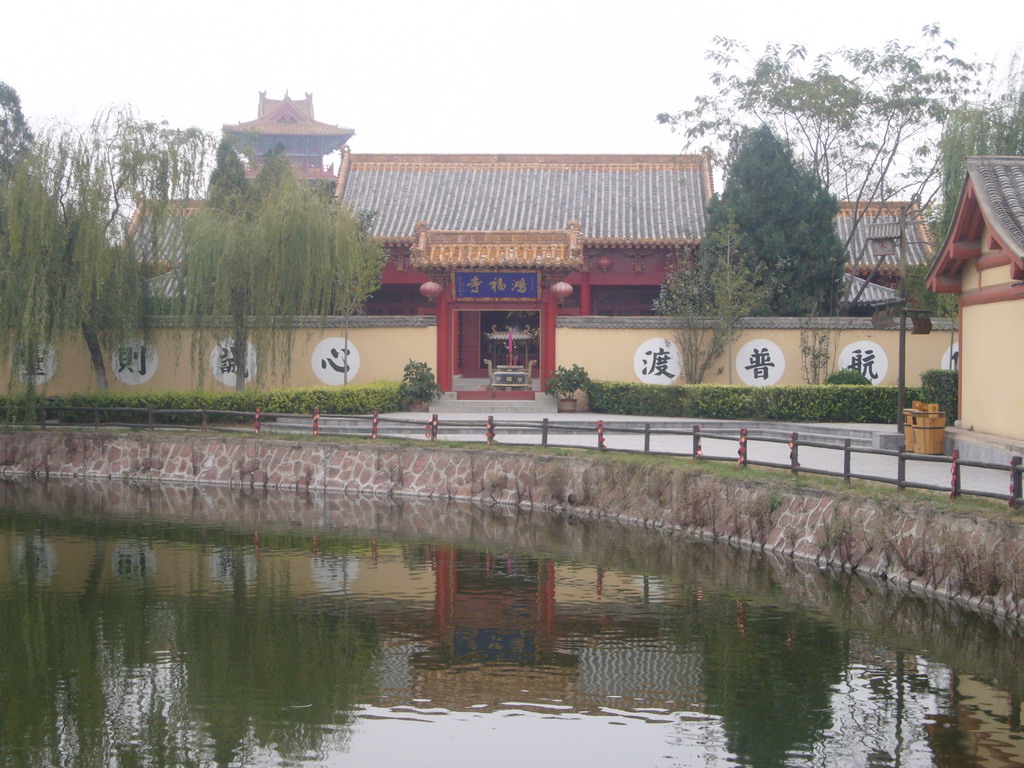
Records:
x=334, y=362
x=760, y=363
x=222, y=362
x=657, y=361
x=134, y=361
x=43, y=369
x=951, y=357
x=867, y=357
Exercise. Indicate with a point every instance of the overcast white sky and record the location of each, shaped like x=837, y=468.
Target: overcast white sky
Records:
x=574, y=76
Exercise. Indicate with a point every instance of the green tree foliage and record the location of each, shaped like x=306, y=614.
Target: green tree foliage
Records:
x=66, y=259
x=707, y=299
x=991, y=126
x=785, y=216
x=15, y=136
x=268, y=255
x=864, y=121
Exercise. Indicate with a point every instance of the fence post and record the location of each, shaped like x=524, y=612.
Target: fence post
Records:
x=95, y=416
x=901, y=469
x=42, y=417
x=794, y=452
x=544, y=433
x=256, y=423
x=600, y=434
x=954, y=475
x=742, y=460
x=205, y=420
x=316, y=420
x=846, y=461
x=490, y=430
x=647, y=437
x=1015, y=479
x=698, y=451
x=149, y=416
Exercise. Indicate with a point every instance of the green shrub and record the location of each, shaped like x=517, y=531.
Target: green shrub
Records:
x=866, y=405
x=418, y=384
x=343, y=400
x=848, y=376
x=942, y=387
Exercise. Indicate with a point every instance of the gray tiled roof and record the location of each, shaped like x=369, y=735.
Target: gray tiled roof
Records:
x=999, y=183
x=873, y=294
x=621, y=199
x=655, y=323
x=858, y=255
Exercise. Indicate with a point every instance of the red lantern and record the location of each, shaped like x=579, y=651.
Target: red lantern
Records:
x=561, y=290
x=431, y=290
x=604, y=263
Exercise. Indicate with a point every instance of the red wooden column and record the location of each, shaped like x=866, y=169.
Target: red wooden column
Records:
x=548, y=313
x=585, y=308
x=444, y=342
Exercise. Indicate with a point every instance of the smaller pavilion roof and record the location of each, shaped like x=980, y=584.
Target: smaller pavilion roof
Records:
x=873, y=219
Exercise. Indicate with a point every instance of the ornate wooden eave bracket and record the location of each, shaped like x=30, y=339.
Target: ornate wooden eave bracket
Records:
x=547, y=250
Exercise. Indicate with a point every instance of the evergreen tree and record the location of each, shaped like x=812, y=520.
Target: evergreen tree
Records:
x=228, y=186
x=785, y=215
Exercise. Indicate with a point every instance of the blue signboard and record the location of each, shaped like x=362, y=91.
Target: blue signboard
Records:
x=497, y=285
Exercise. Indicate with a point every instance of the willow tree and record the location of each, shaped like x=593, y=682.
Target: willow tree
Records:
x=259, y=260
x=68, y=261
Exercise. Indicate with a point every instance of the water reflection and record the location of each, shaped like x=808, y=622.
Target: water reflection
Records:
x=182, y=626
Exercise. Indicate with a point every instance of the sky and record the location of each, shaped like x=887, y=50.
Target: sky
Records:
x=448, y=76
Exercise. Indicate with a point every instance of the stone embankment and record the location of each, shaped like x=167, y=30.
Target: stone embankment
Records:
x=976, y=561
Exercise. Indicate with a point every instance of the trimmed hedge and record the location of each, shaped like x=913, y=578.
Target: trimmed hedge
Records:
x=348, y=400
x=942, y=387
x=832, y=403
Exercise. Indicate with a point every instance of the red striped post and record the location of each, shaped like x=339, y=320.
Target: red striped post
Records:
x=256, y=423
x=316, y=420
x=954, y=475
x=742, y=460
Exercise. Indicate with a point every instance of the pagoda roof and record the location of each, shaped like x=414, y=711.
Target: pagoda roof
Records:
x=632, y=200
x=288, y=117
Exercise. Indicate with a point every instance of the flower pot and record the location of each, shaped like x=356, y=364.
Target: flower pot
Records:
x=567, y=405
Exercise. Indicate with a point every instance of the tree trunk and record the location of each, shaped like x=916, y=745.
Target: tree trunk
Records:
x=96, y=355
x=240, y=352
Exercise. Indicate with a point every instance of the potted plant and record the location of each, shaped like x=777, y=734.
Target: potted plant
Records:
x=564, y=383
x=418, y=386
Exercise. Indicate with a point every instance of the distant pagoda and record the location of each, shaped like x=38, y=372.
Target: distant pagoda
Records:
x=289, y=122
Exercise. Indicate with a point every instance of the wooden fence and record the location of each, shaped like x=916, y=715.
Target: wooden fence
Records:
x=546, y=433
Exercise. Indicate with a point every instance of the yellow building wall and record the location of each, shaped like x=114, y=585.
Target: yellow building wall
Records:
x=608, y=353
x=991, y=369
x=383, y=353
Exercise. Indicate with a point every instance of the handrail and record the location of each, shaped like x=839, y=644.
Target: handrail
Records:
x=693, y=440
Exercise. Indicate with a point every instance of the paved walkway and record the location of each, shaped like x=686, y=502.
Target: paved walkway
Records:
x=580, y=430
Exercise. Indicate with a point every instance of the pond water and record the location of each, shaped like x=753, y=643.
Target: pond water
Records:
x=171, y=626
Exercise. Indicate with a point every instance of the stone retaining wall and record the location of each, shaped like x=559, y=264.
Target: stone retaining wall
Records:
x=975, y=561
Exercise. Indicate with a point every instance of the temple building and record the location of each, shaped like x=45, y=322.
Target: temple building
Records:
x=289, y=123
x=499, y=246
x=982, y=262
